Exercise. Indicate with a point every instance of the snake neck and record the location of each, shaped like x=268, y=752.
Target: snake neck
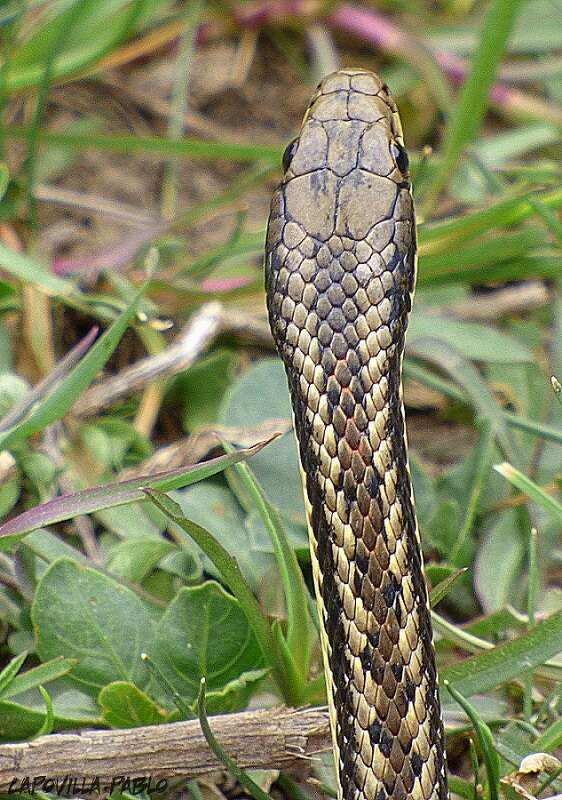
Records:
x=340, y=273
x=367, y=563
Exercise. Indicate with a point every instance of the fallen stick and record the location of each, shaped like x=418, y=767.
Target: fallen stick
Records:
x=274, y=738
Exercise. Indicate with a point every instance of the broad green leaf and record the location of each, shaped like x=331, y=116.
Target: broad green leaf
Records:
x=481, y=462
x=507, y=661
x=428, y=378
x=261, y=542
x=114, y=443
x=13, y=389
x=19, y=722
x=204, y=633
x=119, y=493
x=80, y=613
x=260, y=394
x=236, y=694
x=49, y=547
x=497, y=625
x=130, y=521
x=497, y=567
x=443, y=526
x=233, y=578
x=135, y=558
x=216, y=509
x=124, y=705
x=184, y=564
x=202, y=388
x=22, y=716
x=474, y=341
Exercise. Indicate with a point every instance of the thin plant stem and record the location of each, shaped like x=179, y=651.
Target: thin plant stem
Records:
x=180, y=96
x=531, y=608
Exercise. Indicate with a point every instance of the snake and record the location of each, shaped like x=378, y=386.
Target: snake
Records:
x=340, y=271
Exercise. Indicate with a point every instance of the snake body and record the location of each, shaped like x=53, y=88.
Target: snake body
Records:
x=340, y=275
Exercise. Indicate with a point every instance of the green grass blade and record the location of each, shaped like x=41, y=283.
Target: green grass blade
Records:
x=191, y=14
x=49, y=722
x=468, y=377
x=72, y=16
x=530, y=488
x=63, y=397
x=509, y=660
x=9, y=39
x=444, y=587
x=30, y=272
x=506, y=212
x=10, y=671
x=532, y=594
x=291, y=575
x=85, y=54
x=474, y=644
x=478, y=259
x=32, y=678
x=471, y=109
x=428, y=378
x=119, y=493
x=461, y=787
x=485, y=740
x=548, y=216
x=173, y=694
x=49, y=382
x=242, y=777
x=159, y=145
x=550, y=739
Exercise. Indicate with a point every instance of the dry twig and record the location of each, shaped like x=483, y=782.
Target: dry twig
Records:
x=270, y=738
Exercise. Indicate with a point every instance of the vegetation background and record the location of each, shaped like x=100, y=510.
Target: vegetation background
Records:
x=140, y=142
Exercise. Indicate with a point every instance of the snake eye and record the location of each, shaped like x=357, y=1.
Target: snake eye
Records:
x=400, y=156
x=289, y=153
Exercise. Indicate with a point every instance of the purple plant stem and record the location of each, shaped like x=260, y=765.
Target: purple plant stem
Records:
x=114, y=258
x=375, y=29
x=226, y=284
x=380, y=32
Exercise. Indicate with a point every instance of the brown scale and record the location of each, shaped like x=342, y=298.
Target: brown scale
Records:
x=340, y=274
